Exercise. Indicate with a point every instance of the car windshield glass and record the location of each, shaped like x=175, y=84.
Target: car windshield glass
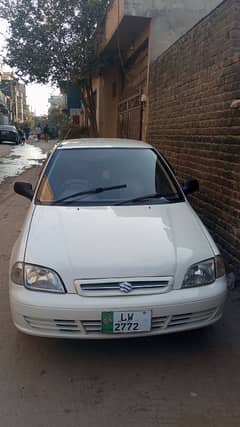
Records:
x=86, y=193
x=81, y=170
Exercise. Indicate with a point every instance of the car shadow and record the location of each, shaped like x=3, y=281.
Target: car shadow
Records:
x=190, y=342
x=7, y=143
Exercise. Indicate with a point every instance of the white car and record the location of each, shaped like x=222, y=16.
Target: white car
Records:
x=112, y=248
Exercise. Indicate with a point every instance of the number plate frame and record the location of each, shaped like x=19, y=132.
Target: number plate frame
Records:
x=126, y=322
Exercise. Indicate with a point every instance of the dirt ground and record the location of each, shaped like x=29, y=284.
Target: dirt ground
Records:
x=181, y=380
x=5, y=149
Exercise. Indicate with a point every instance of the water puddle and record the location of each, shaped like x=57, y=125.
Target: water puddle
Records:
x=21, y=158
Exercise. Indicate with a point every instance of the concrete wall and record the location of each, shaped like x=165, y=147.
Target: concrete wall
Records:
x=175, y=19
x=114, y=16
x=192, y=86
x=170, y=18
x=151, y=8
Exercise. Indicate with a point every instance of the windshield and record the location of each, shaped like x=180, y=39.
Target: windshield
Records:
x=75, y=176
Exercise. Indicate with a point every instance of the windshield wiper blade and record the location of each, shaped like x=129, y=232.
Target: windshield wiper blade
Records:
x=85, y=193
x=148, y=196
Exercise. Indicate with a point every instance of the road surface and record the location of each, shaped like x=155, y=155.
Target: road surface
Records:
x=14, y=159
x=183, y=380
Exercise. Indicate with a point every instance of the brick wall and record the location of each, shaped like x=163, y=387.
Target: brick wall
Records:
x=191, y=89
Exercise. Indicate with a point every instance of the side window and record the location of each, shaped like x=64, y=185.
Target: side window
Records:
x=167, y=162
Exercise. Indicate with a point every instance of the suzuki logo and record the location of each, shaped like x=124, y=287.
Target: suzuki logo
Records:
x=125, y=287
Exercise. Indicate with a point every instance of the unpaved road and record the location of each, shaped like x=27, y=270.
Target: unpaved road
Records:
x=15, y=159
x=182, y=380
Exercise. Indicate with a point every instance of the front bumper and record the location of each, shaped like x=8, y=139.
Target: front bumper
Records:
x=73, y=316
x=9, y=138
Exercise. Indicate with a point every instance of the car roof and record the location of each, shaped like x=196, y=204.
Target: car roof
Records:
x=7, y=127
x=102, y=143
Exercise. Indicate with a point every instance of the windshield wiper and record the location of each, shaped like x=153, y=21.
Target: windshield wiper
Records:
x=85, y=193
x=171, y=197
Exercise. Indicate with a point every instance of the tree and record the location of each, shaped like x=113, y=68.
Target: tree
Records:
x=57, y=41
x=56, y=118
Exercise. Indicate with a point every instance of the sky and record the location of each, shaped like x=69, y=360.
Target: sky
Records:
x=37, y=95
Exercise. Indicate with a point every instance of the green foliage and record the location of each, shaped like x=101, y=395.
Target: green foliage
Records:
x=56, y=40
x=56, y=118
x=53, y=39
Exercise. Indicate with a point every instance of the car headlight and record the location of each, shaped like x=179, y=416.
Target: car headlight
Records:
x=17, y=275
x=36, y=278
x=204, y=272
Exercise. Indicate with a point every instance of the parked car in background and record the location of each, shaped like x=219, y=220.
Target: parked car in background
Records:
x=112, y=248
x=9, y=133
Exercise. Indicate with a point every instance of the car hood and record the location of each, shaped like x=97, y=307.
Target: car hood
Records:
x=117, y=241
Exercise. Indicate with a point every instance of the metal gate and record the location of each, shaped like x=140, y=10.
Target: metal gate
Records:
x=130, y=117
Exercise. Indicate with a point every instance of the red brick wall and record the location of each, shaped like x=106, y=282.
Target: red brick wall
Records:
x=191, y=89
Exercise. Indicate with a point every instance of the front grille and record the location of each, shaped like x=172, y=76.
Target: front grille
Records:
x=191, y=318
x=159, y=322
x=54, y=325
x=115, y=286
x=94, y=327
x=121, y=287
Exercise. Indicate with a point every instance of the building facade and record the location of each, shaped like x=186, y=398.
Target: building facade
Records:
x=56, y=102
x=72, y=105
x=135, y=34
x=4, y=112
x=15, y=93
x=193, y=87
x=172, y=77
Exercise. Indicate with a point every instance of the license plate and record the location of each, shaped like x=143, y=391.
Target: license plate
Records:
x=125, y=322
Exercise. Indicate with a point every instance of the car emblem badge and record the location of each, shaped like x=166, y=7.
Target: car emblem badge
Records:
x=125, y=287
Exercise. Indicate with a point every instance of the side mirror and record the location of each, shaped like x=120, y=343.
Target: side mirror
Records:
x=190, y=186
x=24, y=189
